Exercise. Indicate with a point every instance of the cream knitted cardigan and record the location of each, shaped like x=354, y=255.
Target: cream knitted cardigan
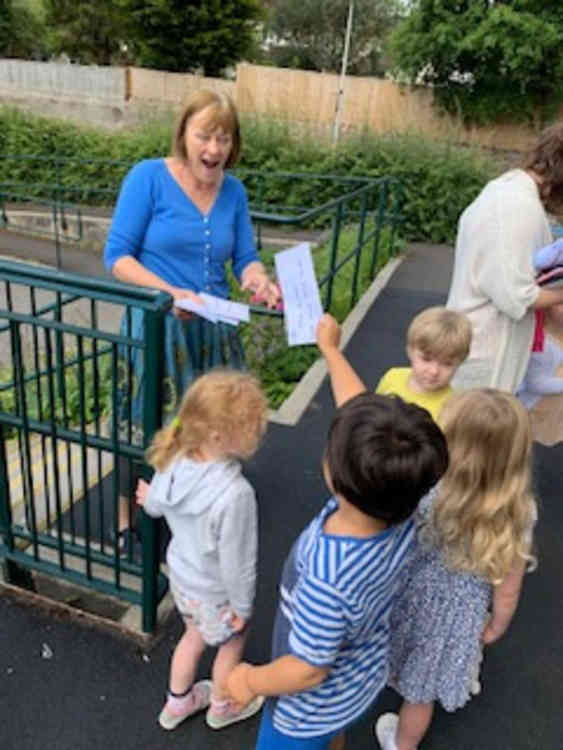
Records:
x=493, y=279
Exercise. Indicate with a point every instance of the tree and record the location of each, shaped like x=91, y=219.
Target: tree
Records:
x=90, y=32
x=202, y=34
x=310, y=33
x=486, y=60
x=20, y=31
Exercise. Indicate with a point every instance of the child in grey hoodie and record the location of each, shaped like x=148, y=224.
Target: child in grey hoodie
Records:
x=211, y=511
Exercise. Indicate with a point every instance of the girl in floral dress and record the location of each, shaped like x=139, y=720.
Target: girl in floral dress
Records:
x=463, y=581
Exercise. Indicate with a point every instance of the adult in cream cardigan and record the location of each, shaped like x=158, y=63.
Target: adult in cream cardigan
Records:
x=493, y=280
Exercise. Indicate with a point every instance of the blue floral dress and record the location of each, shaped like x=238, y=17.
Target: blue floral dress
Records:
x=437, y=621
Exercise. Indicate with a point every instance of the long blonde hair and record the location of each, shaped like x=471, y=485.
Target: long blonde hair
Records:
x=484, y=510
x=228, y=402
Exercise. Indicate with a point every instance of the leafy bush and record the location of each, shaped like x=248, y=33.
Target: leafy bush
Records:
x=71, y=409
x=438, y=180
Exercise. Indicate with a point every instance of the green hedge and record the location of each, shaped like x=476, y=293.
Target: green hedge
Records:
x=438, y=180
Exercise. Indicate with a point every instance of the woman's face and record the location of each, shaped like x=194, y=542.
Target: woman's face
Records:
x=207, y=147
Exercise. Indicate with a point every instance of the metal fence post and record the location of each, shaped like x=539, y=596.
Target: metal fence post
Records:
x=378, y=224
x=336, y=225
x=152, y=420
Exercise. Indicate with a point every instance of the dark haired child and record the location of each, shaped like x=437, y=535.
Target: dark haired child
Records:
x=331, y=635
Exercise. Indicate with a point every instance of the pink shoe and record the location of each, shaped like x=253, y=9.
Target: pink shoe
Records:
x=223, y=713
x=177, y=709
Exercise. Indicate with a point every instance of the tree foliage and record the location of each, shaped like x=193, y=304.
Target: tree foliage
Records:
x=20, y=34
x=90, y=33
x=486, y=59
x=310, y=34
x=186, y=36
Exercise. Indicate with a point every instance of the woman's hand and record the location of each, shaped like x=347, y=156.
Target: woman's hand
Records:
x=179, y=294
x=256, y=280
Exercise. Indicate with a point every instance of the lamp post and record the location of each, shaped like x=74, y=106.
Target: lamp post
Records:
x=340, y=95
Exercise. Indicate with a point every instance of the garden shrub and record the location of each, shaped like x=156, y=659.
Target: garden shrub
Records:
x=438, y=179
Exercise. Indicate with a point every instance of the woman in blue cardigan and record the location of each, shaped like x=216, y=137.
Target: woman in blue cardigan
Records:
x=177, y=222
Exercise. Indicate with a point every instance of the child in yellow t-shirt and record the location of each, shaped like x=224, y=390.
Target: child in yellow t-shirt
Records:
x=438, y=340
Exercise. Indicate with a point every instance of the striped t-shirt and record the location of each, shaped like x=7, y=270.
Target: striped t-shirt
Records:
x=335, y=601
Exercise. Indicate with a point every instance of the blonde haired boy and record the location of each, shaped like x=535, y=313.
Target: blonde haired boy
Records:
x=438, y=340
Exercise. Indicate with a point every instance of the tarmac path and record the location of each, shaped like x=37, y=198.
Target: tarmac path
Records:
x=90, y=691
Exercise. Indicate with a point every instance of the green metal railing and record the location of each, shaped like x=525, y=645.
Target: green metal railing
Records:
x=286, y=200
x=61, y=445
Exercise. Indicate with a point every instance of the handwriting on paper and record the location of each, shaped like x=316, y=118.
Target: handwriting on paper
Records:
x=300, y=291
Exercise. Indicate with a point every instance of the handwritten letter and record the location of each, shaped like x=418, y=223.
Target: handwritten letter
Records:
x=301, y=299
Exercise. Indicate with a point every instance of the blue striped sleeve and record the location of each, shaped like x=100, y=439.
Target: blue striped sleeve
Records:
x=319, y=622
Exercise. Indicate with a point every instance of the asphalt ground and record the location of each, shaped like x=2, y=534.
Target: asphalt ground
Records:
x=89, y=690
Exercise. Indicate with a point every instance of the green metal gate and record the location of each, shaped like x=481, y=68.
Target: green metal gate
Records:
x=63, y=358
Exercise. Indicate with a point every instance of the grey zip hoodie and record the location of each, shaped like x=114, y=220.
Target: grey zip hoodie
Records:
x=211, y=511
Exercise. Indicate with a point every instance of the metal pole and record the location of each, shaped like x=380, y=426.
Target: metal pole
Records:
x=340, y=95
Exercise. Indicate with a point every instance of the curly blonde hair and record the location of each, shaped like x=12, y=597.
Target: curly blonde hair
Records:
x=484, y=509
x=228, y=402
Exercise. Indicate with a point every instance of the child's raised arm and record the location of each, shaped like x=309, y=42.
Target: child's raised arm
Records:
x=344, y=380
x=505, y=601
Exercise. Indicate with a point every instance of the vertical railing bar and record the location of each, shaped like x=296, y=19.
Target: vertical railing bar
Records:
x=17, y=403
x=129, y=360
x=336, y=223
x=396, y=202
x=152, y=419
x=61, y=372
x=28, y=460
x=6, y=533
x=54, y=457
x=43, y=438
x=382, y=190
x=84, y=452
x=96, y=385
x=360, y=245
x=115, y=450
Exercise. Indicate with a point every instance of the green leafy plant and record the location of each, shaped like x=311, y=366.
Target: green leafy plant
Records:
x=439, y=180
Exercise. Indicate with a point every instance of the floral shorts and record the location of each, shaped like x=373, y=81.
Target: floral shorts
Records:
x=212, y=620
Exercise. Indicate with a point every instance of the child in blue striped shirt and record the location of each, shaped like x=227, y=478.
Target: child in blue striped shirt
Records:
x=330, y=641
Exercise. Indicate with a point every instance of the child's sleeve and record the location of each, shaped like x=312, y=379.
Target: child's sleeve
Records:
x=238, y=549
x=383, y=385
x=158, y=488
x=319, y=623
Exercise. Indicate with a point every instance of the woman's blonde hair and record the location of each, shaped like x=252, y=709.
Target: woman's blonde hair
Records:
x=222, y=114
x=227, y=402
x=484, y=511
